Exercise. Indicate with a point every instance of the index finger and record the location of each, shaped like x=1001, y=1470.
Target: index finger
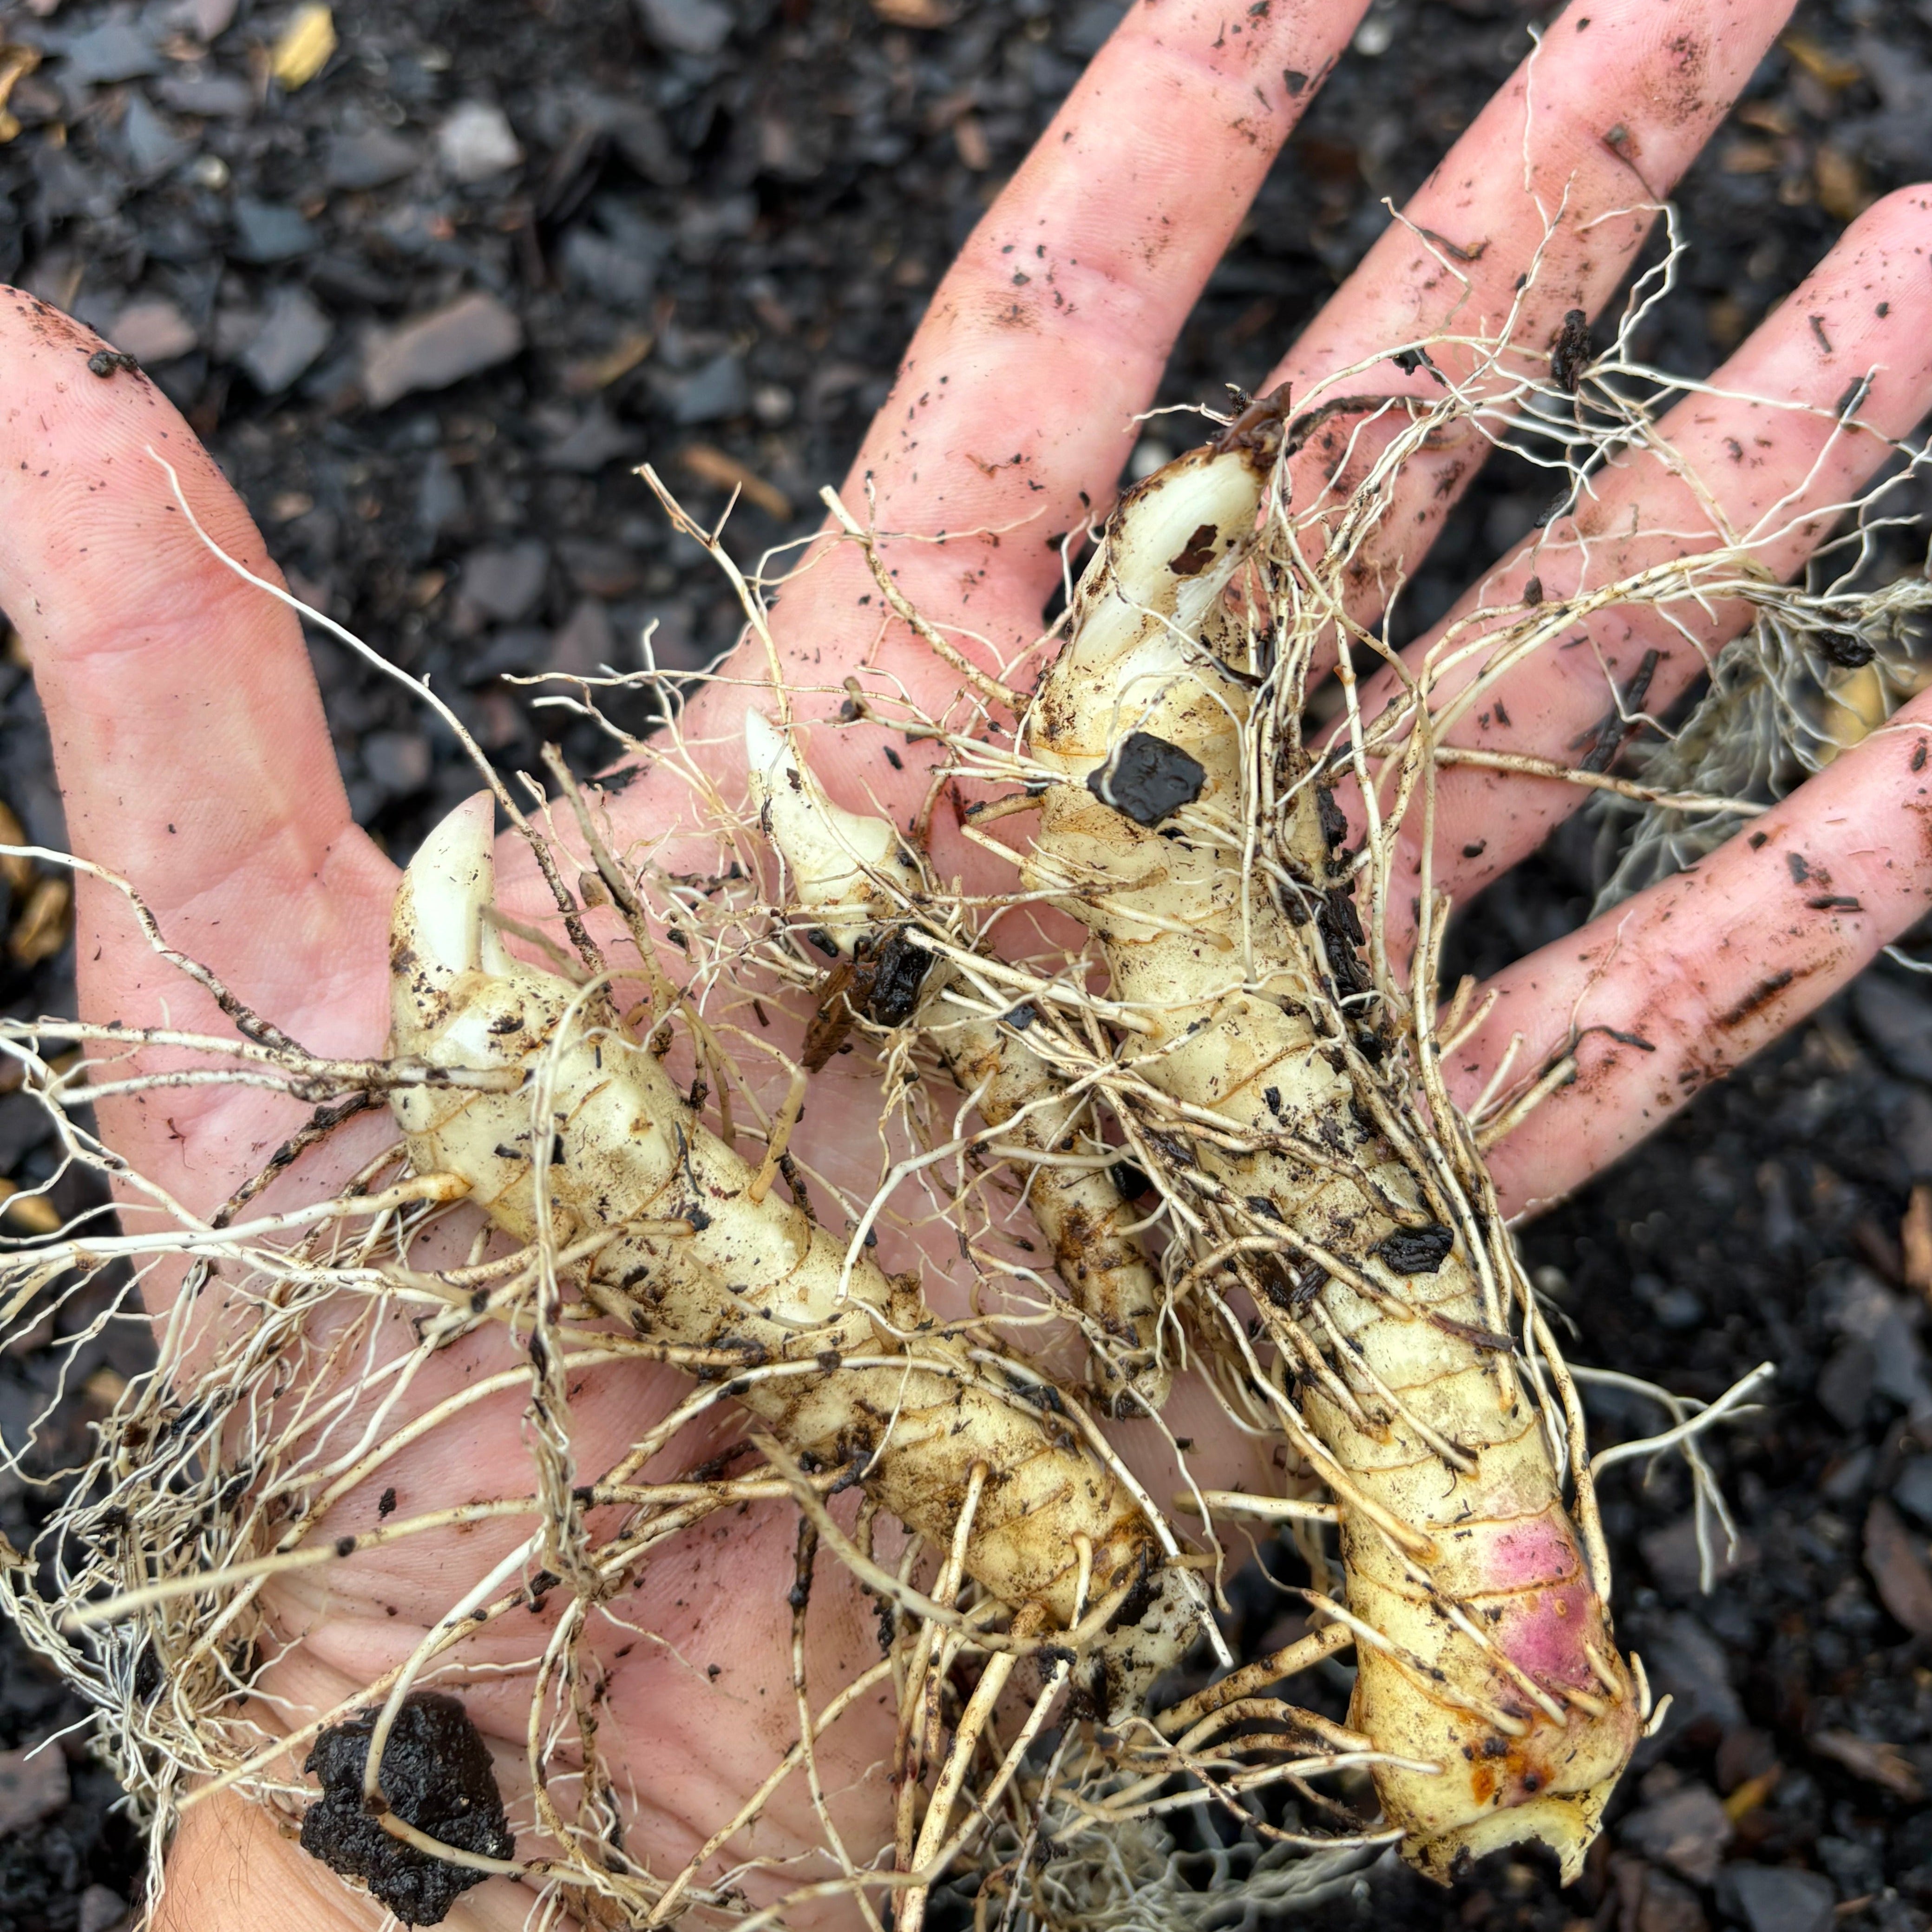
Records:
x=193, y=756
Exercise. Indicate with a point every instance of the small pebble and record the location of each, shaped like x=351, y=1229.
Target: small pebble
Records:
x=398, y=761
x=152, y=146
x=293, y=333
x=1912, y=1491
x=102, y=1910
x=503, y=583
x=598, y=439
x=33, y=1786
x=614, y=272
x=118, y=49
x=214, y=97
x=715, y=390
x=686, y=26
x=206, y=19
x=370, y=158
x=1777, y=1899
x=585, y=642
x=475, y=142
x=1687, y=1830
x=269, y=231
x=153, y=330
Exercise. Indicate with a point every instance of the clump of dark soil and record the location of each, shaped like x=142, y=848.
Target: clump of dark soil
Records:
x=437, y=1776
x=429, y=310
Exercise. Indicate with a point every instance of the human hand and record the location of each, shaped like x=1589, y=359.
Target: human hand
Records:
x=197, y=764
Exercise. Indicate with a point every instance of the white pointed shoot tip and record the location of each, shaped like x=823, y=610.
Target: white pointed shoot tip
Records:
x=828, y=850
x=438, y=931
x=451, y=882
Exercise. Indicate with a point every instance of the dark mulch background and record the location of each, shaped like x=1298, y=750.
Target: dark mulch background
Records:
x=700, y=234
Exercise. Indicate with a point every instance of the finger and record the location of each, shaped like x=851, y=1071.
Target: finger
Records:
x=1778, y=467
x=1673, y=989
x=188, y=732
x=1016, y=397
x=1597, y=125
x=1012, y=411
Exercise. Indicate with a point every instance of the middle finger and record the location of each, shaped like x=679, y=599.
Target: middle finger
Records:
x=1572, y=156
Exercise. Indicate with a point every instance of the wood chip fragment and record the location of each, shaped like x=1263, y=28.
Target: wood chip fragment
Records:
x=105, y=1386
x=709, y=462
x=1897, y=1562
x=16, y=63
x=1819, y=62
x=27, y=1213
x=17, y=871
x=1914, y=1241
x=969, y=138
x=41, y=930
x=1841, y=184
x=1749, y=1795
x=927, y=13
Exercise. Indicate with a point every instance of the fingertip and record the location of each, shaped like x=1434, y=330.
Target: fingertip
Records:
x=84, y=494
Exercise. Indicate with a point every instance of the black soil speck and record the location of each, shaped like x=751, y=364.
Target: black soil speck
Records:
x=1571, y=354
x=1417, y=1250
x=437, y=1776
x=1846, y=648
x=1147, y=779
x=897, y=977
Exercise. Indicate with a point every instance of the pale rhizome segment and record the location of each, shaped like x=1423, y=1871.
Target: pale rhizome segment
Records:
x=846, y=1366
x=1484, y=1641
x=849, y=872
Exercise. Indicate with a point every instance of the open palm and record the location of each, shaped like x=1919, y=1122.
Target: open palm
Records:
x=197, y=764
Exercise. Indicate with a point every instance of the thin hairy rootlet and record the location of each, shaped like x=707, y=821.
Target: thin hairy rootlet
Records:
x=848, y=1367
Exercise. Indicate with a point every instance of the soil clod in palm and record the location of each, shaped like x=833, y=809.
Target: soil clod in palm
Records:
x=437, y=1776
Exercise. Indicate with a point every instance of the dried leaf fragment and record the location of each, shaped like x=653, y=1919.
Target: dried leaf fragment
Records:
x=1871, y=1759
x=706, y=460
x=1897, y=1567
x=16, y=63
